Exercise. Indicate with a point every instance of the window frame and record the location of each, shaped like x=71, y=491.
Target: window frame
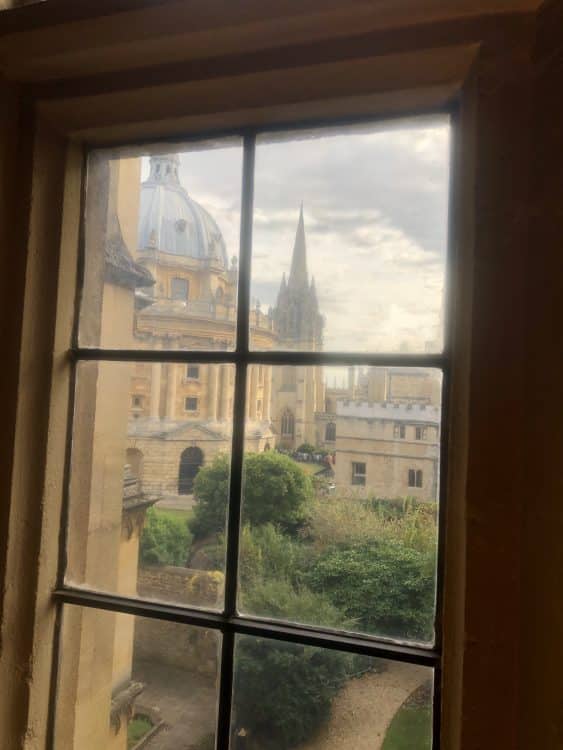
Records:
x=229, y=622
x=195, y=400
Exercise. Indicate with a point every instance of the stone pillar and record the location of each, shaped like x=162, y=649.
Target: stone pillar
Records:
x=266, y=406
x=155, y=390
x=253, y=391
x=225, y=390
x=171, y=391
x=213, y=379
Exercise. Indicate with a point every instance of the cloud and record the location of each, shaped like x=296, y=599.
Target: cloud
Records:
x=375, y=209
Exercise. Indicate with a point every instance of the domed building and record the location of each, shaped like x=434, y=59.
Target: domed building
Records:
x=181, y=415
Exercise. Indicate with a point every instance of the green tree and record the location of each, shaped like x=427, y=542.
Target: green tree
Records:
x=386, y=587
x=164, y=541
x=284, y=691
x=275, y=490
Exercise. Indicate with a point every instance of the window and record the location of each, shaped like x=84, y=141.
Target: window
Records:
x=415, y=478
x=287, y=424
x=179, y=289
x=358, y=473
x=190, y=403
x=420, y=433
x=137, y=402
x=225, y=628
x=400, y=431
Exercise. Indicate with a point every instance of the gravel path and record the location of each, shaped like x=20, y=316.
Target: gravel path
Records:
x=362, y=711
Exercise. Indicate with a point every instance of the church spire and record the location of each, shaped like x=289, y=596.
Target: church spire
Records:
x=298, y=276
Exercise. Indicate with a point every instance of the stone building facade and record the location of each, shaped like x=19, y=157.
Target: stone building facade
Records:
x=387, y=434
x=181, y=415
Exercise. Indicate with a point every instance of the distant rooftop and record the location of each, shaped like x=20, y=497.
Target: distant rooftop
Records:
x=388, y=411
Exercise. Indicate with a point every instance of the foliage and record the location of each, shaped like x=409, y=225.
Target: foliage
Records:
x=267, y=553
x=284, y=691
x=410, y=728
x=338, y=520
x=165, y=540
x=385, y=587
x=276, y=490
x=211, y=489
x=137, y=728
x=306, y=448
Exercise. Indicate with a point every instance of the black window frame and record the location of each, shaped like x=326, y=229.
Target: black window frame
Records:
x=229, y=622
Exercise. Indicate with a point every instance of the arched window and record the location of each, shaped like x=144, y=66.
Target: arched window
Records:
x=190, y=463
x=330, y=432
x=287, y=424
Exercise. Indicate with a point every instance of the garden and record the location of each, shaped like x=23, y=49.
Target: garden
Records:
x=364, y=565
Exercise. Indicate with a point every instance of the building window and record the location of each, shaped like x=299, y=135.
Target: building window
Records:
x=420, y=433
x=190, y=403
x=137, y=402
x=400, y=431
x=288, y=424
x=179, y=289
x=259, y=405
x=358, y=473
x=174, y=465
x=415, y=478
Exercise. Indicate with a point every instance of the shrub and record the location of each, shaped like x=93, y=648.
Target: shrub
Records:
x=306, y=448
x=336, y=520
x=284, y=691
x=267, y=553
x=211, y=489
x=386, y=588
x=276, y=490
x=165, y=540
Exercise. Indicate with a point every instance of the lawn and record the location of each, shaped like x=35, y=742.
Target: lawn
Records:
x=310, y=468
x=411, y=729
x=138, y=727
x=174, y=515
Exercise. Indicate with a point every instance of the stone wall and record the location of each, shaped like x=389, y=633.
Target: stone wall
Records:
x=163, y=642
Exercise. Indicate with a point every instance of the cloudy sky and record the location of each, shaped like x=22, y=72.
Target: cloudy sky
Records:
x=375, y=208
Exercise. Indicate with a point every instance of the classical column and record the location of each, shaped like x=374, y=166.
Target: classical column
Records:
x=253, y=391
x=171, y=391
x=155, y=390
x=213, y=378
x=225, y=389
x=267, y=393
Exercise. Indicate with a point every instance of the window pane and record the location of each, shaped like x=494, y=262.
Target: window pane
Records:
x=339, y=508
x=293, y=696
x=162, y=241
x=349, y=237
x=123, y=679
x=134, y=477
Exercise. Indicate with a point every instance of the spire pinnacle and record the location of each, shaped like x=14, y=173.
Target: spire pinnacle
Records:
x=298, y=276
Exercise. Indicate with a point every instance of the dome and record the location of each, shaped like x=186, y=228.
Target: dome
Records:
x=170, y=221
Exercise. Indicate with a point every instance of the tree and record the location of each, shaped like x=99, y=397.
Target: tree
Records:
x=386, y=588
x=283, y=691
x=164, y=541
x=275, y=490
